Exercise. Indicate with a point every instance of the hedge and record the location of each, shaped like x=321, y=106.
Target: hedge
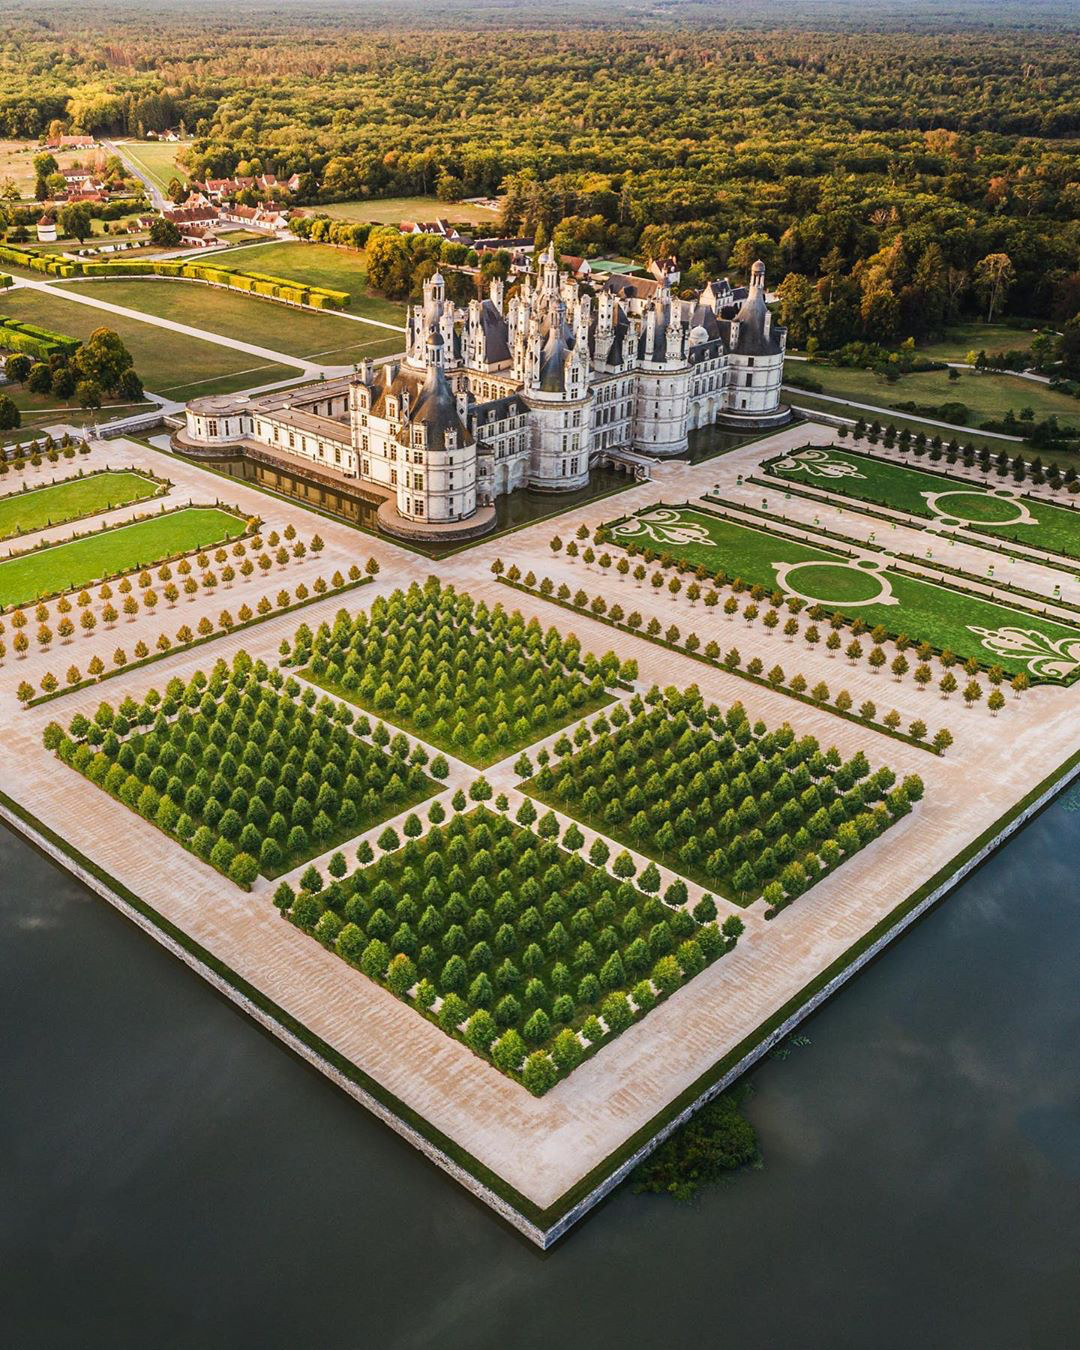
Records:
x=18, y=336
x=257, y=283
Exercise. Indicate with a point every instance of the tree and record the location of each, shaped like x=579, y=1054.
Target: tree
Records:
x=102, y=359
x=994, y=277
x=164, y=233
x=10, y=416
x=75, y=220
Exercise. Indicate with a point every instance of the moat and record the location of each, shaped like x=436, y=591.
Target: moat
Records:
x=173, y=1177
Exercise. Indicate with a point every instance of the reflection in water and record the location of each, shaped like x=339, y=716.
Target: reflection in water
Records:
x=512, y=510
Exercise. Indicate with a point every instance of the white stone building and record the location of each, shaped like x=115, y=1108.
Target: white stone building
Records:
x=494, y=397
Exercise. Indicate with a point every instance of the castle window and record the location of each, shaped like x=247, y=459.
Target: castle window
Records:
x=749, y=380
x=363, y=442
x=212, y=428
x=749, y=360
x=292, y=440
x=419, y=508
x=393, y=452
x=393, y=477
x=573, y=465
x=337, y=454
x=418, y=481
x=365, y=468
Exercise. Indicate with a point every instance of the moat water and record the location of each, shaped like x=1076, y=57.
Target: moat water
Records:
x=171, y=1177
x=512, y=510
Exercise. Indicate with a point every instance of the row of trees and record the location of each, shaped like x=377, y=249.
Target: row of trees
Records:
x=522, y=949
x=245, y=769
x=775, y=676
x=739, y=807
x=474, y=680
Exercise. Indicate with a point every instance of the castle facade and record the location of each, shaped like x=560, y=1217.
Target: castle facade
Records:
x=532, y=393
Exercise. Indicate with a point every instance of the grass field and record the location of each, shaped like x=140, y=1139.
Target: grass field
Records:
x=327, y=338
x=1000, y=509
x=339, y=269
x=799, y=399
x=157, y=159
x=392, y=210
x=872, y=590
x=22, y=512
x=169, y=363
x=66, y=567
x=17, y=163
x=986, y=396
x=975, y=337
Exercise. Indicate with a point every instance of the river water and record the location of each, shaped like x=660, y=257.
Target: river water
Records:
x=171, y=1177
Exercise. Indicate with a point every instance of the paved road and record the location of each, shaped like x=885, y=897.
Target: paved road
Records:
x=155, y=194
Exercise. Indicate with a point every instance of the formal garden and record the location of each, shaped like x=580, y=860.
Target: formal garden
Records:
x=874, y=588
x=244, y=769
x=1002, y=511
x=115, y=549
x=514, y=944
x=73, y=499
x=476, y=681
x=740, y=809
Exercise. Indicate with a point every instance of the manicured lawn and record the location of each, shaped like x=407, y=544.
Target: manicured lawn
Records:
x=293, y=332
x=339, y=269
x=157, y=159
x=939, y=615
x=392, y=210
x=1054, y=528
x=66, y=567
x=169, y=363
x=23, y=512
x=986, y=396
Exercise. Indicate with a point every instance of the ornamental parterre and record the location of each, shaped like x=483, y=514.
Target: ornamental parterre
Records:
x=519, y=947
x=241, y=770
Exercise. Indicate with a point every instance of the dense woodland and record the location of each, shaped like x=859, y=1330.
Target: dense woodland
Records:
x=895, y=162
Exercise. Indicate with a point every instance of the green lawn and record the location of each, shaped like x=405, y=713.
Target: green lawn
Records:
x=327, y=338
x=339, y=269
x=81, y=562
x=986, y=396
x=997, y=509
x=23, y=512
x=157, y=159
x=169, y=363
x=392, y=210
x=798, y=398
x=975, y=337
x=926, y=612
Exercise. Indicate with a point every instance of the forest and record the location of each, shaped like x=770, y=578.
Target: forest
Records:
x=900, y=160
